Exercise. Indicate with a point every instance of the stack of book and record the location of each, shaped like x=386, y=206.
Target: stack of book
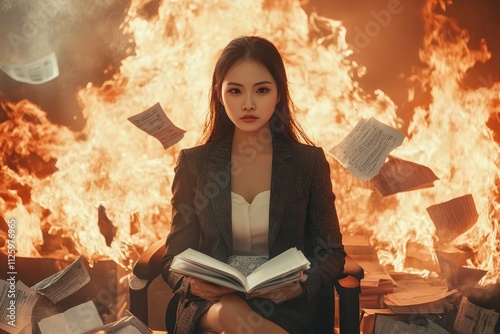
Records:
x=377, y=282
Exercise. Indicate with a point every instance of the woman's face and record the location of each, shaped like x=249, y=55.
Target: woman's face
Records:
x=249, y=95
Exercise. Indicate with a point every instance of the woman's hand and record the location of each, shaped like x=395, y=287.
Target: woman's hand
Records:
x=206, y=290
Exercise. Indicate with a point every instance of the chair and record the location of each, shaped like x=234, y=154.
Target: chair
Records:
x=148, y=267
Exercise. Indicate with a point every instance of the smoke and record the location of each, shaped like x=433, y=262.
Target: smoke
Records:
x=85, y=38
x=32, y=29
x=29, y=28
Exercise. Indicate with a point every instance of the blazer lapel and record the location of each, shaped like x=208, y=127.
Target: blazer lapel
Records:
x=283, y=174
x=220, y=162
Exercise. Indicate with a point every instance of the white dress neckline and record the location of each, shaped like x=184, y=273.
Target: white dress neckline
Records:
x=250, y=224
x=239, y=198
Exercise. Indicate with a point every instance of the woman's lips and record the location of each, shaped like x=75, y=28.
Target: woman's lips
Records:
x=249, y=118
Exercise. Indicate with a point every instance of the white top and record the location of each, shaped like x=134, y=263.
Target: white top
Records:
x=250, y=224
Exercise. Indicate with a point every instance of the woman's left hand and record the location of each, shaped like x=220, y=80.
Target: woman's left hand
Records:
x=279, y=295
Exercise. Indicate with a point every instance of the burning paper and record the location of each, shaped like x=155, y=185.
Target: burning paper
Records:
x=398, y=175
x=472, y=319
x=453, y=217
x=453, y=269
x=364, y=150
x=154, y=122
x=427, y=308
x=410, y=297
x=37, y=72
x=65, y=282
x=386, y=324
x=16, y=303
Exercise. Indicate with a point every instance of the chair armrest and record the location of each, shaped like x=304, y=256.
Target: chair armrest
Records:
x=351, y=267
x=148, y=266
x=348, y=288
x=146, y=269
x=348, y=282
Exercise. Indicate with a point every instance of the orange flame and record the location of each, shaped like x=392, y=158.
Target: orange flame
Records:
x=114, y=164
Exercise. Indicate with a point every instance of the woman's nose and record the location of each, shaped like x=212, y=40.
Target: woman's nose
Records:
x=248, y=103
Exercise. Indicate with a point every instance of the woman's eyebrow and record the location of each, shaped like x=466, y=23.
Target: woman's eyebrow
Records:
x=256, y=84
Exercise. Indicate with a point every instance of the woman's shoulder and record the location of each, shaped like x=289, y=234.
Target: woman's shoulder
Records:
x=201, y=150
x=306, y=150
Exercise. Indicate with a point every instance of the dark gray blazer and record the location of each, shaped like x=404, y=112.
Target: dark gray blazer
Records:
x=302, y=214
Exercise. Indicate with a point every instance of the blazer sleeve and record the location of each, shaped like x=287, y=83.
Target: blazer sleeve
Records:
x=324, y=246
x=184, y=229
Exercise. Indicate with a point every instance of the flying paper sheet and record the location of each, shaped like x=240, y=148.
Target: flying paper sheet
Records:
x=398, y=175
x=364, y=150
x=155, y=122
x=453, y=217
x=37, y=72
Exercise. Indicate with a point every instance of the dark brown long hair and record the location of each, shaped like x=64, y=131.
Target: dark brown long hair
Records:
x=258, y=49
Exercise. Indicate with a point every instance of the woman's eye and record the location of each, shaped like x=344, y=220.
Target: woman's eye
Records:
x=262, y=90
x=234, y=91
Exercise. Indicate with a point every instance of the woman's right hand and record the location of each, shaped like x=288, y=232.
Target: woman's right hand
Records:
x=207, y=290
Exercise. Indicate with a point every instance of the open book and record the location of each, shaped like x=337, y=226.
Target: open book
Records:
x=280, y=270
x=127, y=324
x=76, y=320
x=85, y=319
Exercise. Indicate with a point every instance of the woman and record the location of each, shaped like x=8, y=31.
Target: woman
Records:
x=252, y=188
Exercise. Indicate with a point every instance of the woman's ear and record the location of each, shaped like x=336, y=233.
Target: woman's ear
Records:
x=278, y=99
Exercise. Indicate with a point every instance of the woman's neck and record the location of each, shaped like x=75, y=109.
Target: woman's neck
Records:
x=258, y=142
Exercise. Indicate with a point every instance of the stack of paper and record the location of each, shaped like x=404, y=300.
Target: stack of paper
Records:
x=80, y=319
x=418, y=300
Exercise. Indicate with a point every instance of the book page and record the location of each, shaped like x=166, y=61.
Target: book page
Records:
x=201, y=260
x=277, y=282
x=285, y=267
x=208, y=274
x=155, y=122
x=37, y=72
x=127, y=324
x=83, y=317
x=246, y=264
x=54, y=325
x=65, y=282
x=288, y=262
x=364, y=150
x=16, y=304
x=76, y=320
